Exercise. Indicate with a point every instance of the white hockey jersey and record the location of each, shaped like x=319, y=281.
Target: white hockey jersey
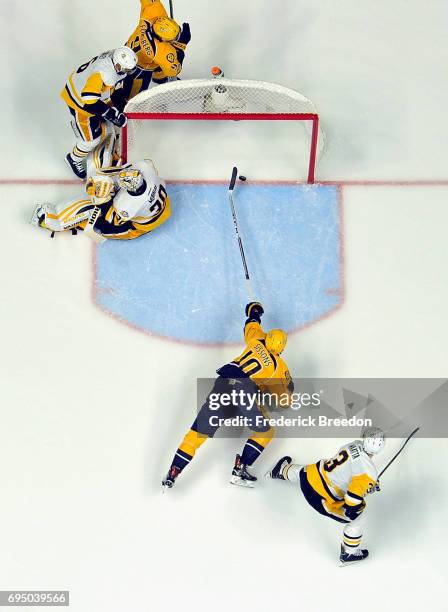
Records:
x=350, y=474
x=93, y=81
x=132, y=215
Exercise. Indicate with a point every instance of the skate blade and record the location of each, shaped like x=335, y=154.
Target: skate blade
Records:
x=347, y=563
x=240, y=482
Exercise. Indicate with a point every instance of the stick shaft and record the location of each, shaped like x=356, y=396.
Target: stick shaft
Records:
x=237, y=231
x=171, y=9
x=401, y=449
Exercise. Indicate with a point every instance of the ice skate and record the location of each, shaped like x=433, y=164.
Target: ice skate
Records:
x=170, y=478
x=347, y=558
x=78, y=167
x=276, y=471
x=241, y=476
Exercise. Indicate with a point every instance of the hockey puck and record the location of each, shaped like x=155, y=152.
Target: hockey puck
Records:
x=242, y=178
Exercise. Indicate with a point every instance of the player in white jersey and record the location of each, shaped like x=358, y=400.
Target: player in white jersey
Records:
x=88, y=93
x=337, y=487
x=121, y=203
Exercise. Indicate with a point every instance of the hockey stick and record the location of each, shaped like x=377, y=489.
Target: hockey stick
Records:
x=171, y=9
x=235, y=223
x=89, y=228
x=401, y=449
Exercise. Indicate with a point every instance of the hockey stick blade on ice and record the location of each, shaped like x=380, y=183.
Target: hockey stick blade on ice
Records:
x=237, y=231
x=401, y=449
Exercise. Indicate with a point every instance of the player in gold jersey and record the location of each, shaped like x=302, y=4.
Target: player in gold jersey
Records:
x=159, y=43
x=259, y=368
x=337, y=487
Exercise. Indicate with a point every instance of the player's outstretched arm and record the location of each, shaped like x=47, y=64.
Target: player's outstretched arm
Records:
x=151, y=10
x=252, y=327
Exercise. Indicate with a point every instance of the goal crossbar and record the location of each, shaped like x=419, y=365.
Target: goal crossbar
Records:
x=313, y=117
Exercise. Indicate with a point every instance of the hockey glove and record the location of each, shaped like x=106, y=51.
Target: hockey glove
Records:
x=114, y=116
x=101, y=189
x=374, y=488
x=254, y=309
x=183, y=38
x=352, y=512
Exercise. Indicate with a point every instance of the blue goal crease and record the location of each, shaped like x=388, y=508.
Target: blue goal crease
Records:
x=185, y=280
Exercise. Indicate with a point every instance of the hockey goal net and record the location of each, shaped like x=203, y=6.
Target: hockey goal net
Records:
x=222, y=102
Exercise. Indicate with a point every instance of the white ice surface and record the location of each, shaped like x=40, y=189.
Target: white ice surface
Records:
x=91, y=411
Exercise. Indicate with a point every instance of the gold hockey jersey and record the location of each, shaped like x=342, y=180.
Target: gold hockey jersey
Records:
x=153, y=54
x=269, y=371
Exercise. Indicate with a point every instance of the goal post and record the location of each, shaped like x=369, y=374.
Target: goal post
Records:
x=224, y=100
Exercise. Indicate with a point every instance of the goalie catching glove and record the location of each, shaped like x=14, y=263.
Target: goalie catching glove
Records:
x=101, y=189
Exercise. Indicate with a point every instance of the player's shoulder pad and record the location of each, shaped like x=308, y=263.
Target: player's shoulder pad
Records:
x=361, y=462
x=148, y=168
x=166, y=50
x=147, y=41
x=107, y=71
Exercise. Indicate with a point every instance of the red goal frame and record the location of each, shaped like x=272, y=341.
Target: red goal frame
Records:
x=313, y=117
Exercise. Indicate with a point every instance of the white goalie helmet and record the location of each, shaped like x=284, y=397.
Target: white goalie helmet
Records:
x=131, y=202
x=131, y=180
x=373, y=440
x=124, y=60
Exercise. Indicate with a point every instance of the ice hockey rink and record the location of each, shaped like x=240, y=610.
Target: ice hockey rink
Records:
x=92, y=408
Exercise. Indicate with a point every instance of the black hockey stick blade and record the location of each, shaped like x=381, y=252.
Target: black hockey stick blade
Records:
x=401, y=449
x=233, y=179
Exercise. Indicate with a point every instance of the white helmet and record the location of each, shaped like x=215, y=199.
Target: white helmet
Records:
x=127, y=203
x=373, y=440
x=131, y=179
x=124, y=60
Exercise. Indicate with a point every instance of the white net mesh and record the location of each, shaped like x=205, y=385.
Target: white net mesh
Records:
x=224, y=97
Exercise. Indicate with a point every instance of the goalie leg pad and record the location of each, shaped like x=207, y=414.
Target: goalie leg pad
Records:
x=67, y=215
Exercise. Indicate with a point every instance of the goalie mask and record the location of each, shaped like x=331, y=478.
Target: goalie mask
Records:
x=133, y=203
x=166, y=29
x=132, y=181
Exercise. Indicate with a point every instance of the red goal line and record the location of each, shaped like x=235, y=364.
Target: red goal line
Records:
x=231, y=117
